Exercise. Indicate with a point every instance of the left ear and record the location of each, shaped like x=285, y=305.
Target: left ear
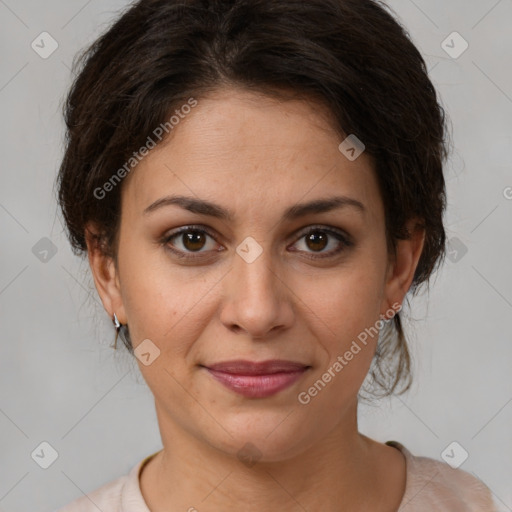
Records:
x=402, y=266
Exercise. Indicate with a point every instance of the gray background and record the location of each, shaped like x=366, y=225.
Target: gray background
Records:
x=61, y=383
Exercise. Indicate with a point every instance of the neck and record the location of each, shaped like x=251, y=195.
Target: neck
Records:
x=338, y=473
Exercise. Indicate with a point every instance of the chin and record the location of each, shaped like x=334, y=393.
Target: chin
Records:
x=260, y=436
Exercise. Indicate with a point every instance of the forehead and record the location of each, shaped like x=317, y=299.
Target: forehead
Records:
x=242, y=148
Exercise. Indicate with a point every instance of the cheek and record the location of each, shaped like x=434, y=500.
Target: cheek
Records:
x=349, y=309
x=161, y=302
x=348, y=304
x=347, y=301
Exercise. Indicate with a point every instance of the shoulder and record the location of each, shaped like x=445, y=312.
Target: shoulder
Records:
x=114, y=496
x=434, y=485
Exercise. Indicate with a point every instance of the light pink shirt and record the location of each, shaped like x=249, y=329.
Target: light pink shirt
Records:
x=431, y=486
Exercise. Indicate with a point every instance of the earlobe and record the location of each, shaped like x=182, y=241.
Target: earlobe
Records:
x=403, y=266
x=106, y=278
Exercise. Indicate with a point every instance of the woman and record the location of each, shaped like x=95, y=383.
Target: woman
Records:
x=258, y=185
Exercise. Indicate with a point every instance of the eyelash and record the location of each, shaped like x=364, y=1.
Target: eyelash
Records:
x=339, y=235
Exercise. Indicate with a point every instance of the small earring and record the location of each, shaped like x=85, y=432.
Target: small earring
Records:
x=118, y=328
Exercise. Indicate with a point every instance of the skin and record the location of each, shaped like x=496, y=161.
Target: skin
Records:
x=257, y=156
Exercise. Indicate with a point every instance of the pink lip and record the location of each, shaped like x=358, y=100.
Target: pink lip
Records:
x=257, y=379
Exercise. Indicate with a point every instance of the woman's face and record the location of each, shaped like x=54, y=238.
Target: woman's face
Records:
x=253, y=285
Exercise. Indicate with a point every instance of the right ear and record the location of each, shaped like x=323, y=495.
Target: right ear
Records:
x=105, y=274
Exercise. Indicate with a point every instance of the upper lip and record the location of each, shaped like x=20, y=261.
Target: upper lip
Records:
x=243, y=367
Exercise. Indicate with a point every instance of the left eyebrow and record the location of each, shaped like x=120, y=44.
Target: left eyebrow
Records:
x=203, y=207
x=322, y=206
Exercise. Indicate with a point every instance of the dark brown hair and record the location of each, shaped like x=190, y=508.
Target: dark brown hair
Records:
x=350, y=55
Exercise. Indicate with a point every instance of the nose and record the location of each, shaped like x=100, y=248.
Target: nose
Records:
x=256, y=300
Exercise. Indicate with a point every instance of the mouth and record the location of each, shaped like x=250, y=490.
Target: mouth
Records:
x=257, y=379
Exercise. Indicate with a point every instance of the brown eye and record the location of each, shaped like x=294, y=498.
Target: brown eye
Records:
x=189, y=240
x=317, y=240
x=193, y=240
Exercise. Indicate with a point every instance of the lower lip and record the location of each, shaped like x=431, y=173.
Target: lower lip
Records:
x=257, y=386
